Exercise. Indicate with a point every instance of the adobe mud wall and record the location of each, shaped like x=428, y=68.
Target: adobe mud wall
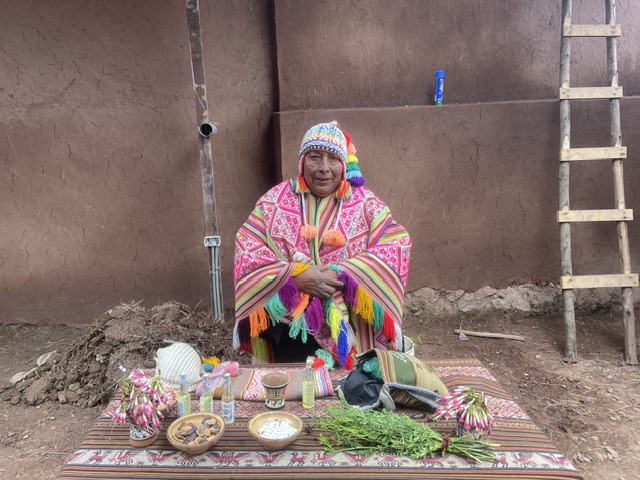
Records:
x=475, y=181
x=481, y=210
x=100, y=195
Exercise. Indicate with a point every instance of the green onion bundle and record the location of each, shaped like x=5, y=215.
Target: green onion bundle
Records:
x=368, y=431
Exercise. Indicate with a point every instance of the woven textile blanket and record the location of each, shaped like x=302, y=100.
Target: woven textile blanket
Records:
x=247, y=384
x=524, y=451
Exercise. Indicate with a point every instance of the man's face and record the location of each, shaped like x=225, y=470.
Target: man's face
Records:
x=322, y=172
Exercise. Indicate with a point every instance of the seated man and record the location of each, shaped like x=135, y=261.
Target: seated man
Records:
x=320, y=263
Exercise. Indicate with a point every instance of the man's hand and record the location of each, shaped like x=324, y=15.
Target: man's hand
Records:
x=318, y=281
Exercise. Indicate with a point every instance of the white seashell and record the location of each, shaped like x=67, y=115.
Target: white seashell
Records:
x=176, y=359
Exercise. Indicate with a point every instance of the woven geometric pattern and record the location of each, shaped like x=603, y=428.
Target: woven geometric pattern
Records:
x=524, y=451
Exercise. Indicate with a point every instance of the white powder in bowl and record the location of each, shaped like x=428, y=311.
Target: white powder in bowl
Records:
x=276, y=430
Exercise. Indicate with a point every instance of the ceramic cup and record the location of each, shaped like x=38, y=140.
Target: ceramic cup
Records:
x=274, y=386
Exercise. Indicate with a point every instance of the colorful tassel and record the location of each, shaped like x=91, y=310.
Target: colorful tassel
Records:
x=299, y=326
x=378, y=316
x=365, y=305
x=353, y=169
x=299, y=310
x=344, y=190
x=300, y=186
x=289, y=294
x=356, y=181
x=275, y=309
x=294, y=328
x=354, y=176
x=314, y=315
x=334, y=319
x=318, y=362
x=350, y=288
x=259, y=322
x=389, y=329
x=304, y=329
x=260, y=350
x=351, y=337
x=343, y=346
x=327, y=357
x=333, y=238
x=308, y=232
x=348, y=365
x=298, y=269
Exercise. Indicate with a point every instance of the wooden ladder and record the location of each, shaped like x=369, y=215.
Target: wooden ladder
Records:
x=615, y=153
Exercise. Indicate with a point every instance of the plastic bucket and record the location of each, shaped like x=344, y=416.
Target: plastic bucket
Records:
x=408, y=346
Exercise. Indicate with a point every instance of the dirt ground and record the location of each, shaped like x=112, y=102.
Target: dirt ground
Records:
x=590, y=410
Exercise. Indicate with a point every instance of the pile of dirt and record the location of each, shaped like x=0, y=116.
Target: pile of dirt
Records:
x=88, y=371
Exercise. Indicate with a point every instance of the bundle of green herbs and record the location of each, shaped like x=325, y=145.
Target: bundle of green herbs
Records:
x=344, y=428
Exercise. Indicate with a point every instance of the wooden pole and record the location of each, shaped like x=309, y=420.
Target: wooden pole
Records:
x=568, y=298
x=618, y=176
x=205, y=130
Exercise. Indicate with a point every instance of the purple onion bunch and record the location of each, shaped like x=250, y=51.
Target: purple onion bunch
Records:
x=469, y=407
x=142, y=400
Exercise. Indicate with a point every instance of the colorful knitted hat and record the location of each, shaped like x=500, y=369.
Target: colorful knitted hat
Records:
x=329, y=138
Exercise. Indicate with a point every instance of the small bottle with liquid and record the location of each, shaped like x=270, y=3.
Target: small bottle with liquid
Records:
x=184, y=397
x=308, y=385
x=228, y=402
x=206, y=398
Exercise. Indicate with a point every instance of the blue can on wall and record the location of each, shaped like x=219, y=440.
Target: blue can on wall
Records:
x=439, y=88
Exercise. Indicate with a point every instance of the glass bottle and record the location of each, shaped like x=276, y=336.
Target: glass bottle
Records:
x=206, y=399
x=308, y=385
x=184, y=397
x=228, y=402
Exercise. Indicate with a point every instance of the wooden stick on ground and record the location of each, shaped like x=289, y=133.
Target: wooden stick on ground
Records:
x=490, y=335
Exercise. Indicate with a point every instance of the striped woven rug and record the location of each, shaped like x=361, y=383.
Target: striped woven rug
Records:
x=524, y=452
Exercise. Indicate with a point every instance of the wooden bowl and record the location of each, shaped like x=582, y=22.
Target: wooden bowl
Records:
x=165, y=407
x=257, y=422
x=175, y=438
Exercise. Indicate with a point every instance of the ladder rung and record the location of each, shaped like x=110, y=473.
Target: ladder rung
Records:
x=599, y=153
x=584, y=93
x=616, y=215
x=591, y=31
x=599, y=281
